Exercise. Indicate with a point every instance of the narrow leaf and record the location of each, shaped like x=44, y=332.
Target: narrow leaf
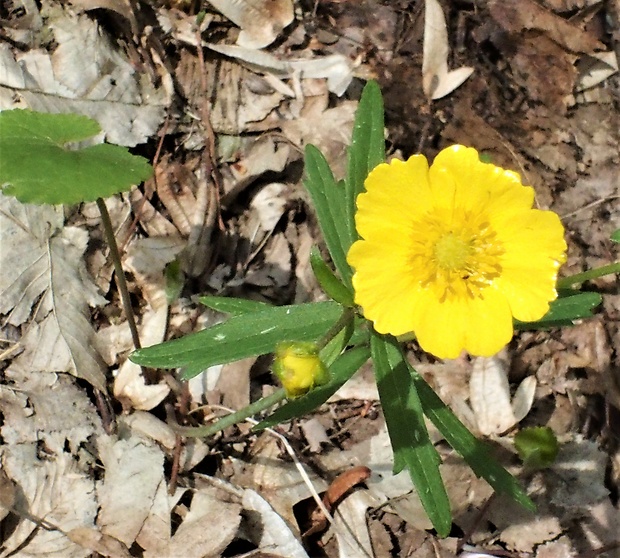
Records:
x=38, y=167
x=343, y=368
x=474, y=451
x=564, y=310
x=366, y=151
x=332, y=286
x=411, y=444
x=339, y=343
x=242, y=336
x=328, y=198
x=233, y=306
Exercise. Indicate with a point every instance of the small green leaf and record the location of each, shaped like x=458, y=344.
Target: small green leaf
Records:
x=564, y=310
x=332, y=350
x=174, y=281
x=411, y=444
x=537, y=446
x=328, y=198
x=474, y=451
x=37, y=166
x=332, y=286
x=366, y=151
x=615, y=236
x=242, y=336
x=340, y=371
x=233, y=306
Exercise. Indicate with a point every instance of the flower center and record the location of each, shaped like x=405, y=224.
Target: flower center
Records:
x=451, y=252
x=455, y=257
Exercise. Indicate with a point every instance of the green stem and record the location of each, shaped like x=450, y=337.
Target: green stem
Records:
x=342, y=322
x=118, y=268
x=233, y=418
x=566, y=282
x=262, y=404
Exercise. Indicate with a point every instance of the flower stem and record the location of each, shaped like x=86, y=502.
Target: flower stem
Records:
x=342, y=322
x=121, y=283
x=571, y=280
x=233, y=418
x=261, y=404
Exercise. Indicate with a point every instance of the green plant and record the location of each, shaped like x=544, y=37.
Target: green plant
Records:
x=42, y=163
x=344, y=340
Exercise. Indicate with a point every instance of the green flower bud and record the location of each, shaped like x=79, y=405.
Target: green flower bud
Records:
x=299, y=367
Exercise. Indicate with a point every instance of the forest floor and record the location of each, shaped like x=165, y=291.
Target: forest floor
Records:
x=98, y=470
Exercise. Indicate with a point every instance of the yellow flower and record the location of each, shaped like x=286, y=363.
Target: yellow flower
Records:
x=298, y=366
x=453, y=252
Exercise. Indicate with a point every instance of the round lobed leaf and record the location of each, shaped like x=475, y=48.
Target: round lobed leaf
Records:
x=38, y=164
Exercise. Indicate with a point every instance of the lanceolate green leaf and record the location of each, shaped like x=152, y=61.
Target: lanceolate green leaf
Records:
x=241, y=336
x=332, y=286
x=329, y=202
x=367, y=149
x=343, y=368
x=39, y=167
x=411, y=444
x=474, y=451
x=233, y=306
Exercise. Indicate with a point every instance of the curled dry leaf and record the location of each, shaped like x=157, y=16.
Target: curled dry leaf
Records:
x=493, y=408
x=93, y=540
x=334, y=494
x=517, y=16
x=437, y=81
x=261, y=21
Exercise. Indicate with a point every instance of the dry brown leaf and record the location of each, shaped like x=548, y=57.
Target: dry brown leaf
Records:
x=121, y=7
x=53, y=489
x=93, y=540
x=516, y=16
x=261, y=21
x=133, y=469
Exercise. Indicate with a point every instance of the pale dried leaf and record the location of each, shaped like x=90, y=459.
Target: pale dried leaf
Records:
x=93, y=540
x=489, y=395
x=86, y=75
x=277, y=481
x=146, y=259
x=261, y=21
x=121, y=7
x=43, y=265
x=595, y=69
x=332, y=137
x=265, y=154
x=524, y=398
x=192, y=539
x=133, y=472
x=315, y=434
x=148, y=425
x=270, y=205
x=57, y=412
x=437, y=81
x=274, y=535
x=130, y=387
x=7, y=494
x=350, y=525
x=336, y=68
x=53, y=489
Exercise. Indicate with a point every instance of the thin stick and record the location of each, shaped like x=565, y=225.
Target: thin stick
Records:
x=121, y=283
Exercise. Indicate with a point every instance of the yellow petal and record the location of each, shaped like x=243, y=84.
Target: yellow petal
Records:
x=481, y=326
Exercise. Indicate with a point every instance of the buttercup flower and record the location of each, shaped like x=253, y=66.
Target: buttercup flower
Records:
x=453, y=252
x=299, y=367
